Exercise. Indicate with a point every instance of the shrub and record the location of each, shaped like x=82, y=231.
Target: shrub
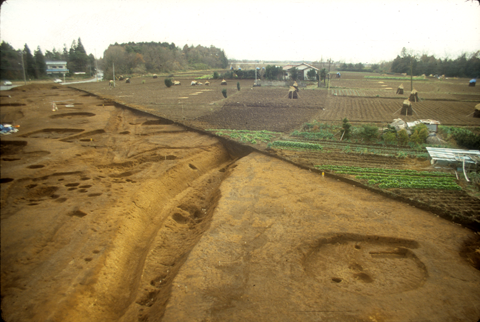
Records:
x=346, y=128
x=390, y=138
x=224, y=92
x=369, y=132
x=415, y=138
x=403, y=137
x=215, y=75
x=420, y=134
x=422, y=131
x=168, y=82
x=238, y=85
x=423, y=134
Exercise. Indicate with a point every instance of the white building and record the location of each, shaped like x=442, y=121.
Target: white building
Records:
x=56, y=67
x=302, y=68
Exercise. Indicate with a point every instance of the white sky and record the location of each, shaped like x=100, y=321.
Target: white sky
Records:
x=352, y=31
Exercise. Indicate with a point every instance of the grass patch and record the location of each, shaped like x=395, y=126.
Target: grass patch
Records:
x=208, y=76
x=395, y=77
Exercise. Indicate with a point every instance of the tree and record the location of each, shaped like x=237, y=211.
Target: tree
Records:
x=29, y=62
x=10, y=62
x=77, y=57
x=223, y=59
x=40, y=65
x=359, y=66
x=346, y=129
x=311, y=74
x=323, y=74
x=375, y=68
x=272, y=72
x=293, y=73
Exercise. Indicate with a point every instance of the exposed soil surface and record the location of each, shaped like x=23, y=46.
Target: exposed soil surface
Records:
x=112, y=214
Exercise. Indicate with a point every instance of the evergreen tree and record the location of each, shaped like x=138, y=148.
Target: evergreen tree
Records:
x=294, y=73
x=10, y=62
x=65, y=53
x=40, y=65
x=81, y=57
x=29, y=62
x=223, y=59
x=346, y=129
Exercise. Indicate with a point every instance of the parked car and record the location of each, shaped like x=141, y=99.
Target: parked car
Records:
x=58, y=80
x=7, y=83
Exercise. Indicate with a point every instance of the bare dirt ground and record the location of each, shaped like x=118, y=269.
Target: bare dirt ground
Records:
x=112, y=214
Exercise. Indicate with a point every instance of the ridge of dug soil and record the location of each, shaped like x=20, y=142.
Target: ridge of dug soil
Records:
x=112, y=214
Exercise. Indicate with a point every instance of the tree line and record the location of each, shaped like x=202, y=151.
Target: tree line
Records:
x=156, y=57
x=465, y=65
x=35, y=64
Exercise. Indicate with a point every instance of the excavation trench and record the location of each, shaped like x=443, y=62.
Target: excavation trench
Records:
x=116, y=205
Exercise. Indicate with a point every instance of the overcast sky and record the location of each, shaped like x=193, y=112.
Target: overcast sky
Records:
x=352, y=31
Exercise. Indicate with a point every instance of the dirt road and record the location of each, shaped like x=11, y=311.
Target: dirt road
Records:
x=111, y=214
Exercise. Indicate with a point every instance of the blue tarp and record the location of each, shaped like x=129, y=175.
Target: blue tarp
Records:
x=7, y=129
x=473, y=80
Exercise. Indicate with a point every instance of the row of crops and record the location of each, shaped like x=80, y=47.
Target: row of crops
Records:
x=346, y=147
x=246, y=136
x=346, y=92
x=255, y=137
x=398, y=178
x=323, y=135
x=294, y=145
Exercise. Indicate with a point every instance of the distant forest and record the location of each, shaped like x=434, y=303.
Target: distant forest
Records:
x=131, y=58
x=140, y=58
x=35, y=66
x=466, y=65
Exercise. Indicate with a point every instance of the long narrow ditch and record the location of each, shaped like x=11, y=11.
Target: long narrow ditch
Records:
x=239, y=150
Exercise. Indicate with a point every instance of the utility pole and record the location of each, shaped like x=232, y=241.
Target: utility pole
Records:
x=23, y=67
x=329, y=62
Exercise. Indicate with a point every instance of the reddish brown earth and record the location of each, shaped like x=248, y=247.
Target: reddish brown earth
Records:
x=112, y=214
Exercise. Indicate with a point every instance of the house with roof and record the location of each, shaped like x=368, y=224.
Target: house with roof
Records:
x=56, y=67
x=302, y=69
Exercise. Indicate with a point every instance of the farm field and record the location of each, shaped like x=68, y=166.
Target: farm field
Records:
x=178, y=212
x=360, y=109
